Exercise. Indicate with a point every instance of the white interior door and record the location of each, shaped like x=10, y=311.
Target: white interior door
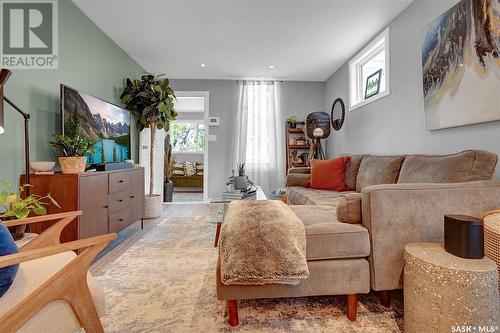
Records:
x=144, y=159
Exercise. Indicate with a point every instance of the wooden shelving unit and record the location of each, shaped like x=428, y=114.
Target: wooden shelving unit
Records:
x=294, y=134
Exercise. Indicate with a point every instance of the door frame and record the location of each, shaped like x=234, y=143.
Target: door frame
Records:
x=206, y=116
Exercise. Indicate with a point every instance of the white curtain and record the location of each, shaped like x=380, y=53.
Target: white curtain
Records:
x=258, y=136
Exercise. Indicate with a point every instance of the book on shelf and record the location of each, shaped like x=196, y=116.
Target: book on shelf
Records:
x=248, y=193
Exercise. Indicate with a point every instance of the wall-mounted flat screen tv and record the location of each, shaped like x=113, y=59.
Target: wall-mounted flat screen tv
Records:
x=102, y=121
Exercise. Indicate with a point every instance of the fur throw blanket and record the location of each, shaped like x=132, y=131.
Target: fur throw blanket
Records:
x=262, y=242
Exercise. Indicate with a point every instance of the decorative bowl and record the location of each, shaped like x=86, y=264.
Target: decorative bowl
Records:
x=42, y=166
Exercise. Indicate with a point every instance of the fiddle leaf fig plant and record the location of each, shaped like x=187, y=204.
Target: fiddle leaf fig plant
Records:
x=151, y=100
x=12, y=205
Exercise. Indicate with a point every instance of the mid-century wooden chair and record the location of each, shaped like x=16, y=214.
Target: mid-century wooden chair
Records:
x=67, y=283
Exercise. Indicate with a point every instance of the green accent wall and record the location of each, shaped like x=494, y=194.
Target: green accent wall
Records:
x=88, y=60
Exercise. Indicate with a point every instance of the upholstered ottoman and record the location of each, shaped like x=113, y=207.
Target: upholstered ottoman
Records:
x=336, y=257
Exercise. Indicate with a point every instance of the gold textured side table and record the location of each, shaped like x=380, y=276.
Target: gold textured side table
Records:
x=442, y=291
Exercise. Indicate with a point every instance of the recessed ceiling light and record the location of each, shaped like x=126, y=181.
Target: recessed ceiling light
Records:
x=203, y=65
x=271, y=67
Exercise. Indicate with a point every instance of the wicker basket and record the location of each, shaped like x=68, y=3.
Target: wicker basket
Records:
x=492, y=237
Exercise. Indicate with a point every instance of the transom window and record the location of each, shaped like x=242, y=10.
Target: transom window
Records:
x=187, y=136
x=369, y=72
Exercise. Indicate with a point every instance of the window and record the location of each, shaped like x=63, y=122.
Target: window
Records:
x=366, y=64
x=187, y=137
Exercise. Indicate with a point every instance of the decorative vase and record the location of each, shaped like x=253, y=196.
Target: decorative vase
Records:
x=73, y=164
x=292, y=125
x=153, y=206
x=240, y=182
x=168, y=191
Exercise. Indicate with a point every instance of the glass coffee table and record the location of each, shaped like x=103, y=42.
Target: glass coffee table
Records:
x=219, y=208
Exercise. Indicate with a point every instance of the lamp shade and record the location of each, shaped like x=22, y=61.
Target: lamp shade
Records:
x=318, y=125
x=4, y=76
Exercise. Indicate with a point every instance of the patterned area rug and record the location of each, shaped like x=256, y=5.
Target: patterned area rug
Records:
x=165, y=282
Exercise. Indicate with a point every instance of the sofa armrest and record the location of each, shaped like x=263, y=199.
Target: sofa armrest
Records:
x=297, y=179
x=302, y=170
x=398, y=214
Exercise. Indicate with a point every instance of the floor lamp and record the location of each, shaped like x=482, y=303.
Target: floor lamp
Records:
x=318, y=127
x=4, y=76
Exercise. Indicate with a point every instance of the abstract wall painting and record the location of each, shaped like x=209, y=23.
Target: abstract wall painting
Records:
x=461, y=65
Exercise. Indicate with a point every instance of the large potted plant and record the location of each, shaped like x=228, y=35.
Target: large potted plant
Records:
x=73, y=150
x=151, y=100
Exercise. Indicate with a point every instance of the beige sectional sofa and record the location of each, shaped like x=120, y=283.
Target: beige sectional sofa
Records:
x=398, y=200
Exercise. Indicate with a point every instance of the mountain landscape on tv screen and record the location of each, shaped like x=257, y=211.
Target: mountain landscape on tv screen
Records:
x=106, y=123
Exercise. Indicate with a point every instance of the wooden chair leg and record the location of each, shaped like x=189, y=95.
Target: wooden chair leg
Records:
x=217, y=234
x=352, y=307
x=385, y=298
x=83, y=305
x=232, y=310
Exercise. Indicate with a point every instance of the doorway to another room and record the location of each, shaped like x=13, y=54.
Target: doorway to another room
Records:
x=187, y=149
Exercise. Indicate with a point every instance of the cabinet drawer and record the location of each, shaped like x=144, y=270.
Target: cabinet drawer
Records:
x=119, y=221
x=118, y=201
x=119, y=181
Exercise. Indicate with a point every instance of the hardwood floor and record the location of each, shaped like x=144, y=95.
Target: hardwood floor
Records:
x=132, y=234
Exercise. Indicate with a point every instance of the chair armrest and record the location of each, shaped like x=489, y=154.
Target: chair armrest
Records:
x=42, y=218
x=398, y=214
x=52, y=235
x=297, y=179
x=17, y=258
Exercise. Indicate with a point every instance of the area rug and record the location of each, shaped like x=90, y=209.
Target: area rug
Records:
x=165, y=282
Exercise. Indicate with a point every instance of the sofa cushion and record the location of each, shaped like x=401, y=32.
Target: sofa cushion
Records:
x=351, y=171
x=327, y=238
x=349, y=208
x=376, y=170
x=465, y=166
x=32, y=274
x=298, y=195
x=329, y=174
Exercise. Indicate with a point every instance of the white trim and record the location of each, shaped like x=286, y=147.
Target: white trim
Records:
x=206, y=113
x=381, y=41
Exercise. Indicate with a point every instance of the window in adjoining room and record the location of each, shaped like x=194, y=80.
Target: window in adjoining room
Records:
x=370, y=68
x=187, y=137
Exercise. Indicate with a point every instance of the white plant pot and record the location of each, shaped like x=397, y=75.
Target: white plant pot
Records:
x=153, y=206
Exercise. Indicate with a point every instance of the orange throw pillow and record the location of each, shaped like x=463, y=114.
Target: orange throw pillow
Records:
x=329, y=174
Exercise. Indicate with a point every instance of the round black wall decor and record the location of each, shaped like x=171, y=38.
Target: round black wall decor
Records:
x=338, y=114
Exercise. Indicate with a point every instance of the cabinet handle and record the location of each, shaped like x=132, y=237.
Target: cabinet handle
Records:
x=121, y=181
x=132, y=196
x=106, y=206
x=120, y=200
x=121, y=220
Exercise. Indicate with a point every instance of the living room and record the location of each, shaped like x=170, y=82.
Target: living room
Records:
x=256, y=166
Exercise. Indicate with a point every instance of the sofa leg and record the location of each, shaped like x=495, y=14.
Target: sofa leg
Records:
x=385, y=298
x=352, y=307
x=232, y=310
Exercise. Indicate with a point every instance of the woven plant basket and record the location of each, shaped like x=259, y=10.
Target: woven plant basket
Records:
x=492, y=237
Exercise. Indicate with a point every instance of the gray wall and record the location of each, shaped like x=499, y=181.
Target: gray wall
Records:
x=88, y=60
x=298, y=98
x=395, y=124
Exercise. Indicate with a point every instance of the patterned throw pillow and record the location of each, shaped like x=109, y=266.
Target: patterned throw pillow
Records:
x=189, y=168
x=178, y=169
x=199, y=169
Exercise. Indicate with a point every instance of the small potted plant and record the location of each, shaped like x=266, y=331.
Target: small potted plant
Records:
x=13, y=206
x=292, y=122
x=151, y=100
x=73, y=150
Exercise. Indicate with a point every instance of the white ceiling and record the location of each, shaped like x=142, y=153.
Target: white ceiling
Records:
x=306, y=40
